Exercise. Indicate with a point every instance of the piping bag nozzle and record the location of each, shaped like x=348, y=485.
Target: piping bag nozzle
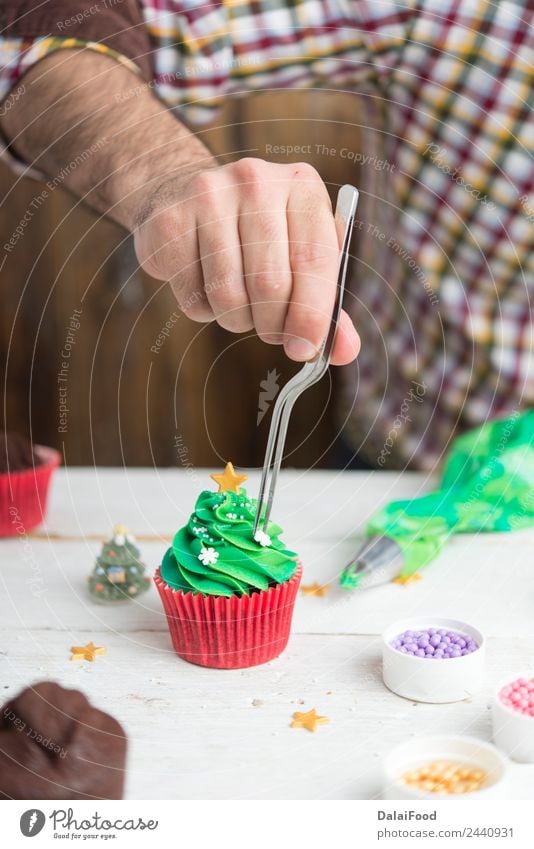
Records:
x=377, y=561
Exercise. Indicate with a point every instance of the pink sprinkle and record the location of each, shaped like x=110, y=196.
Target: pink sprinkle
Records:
x=518, y=695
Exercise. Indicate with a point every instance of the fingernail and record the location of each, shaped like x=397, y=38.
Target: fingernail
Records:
x=300, y=349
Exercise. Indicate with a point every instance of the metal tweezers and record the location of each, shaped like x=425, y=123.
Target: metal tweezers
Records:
x=311, y=372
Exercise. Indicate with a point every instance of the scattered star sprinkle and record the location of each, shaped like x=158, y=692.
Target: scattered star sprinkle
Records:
x=229, y=480
x=208, y=556
x=407, y=579
x=87, y=652
x=309, y=720
x=315, y=589
x=263, y=538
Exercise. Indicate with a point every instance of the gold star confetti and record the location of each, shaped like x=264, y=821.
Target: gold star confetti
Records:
x=407, y=579
x=229, y=481
x=315, y=589
x=87, y=652
x=309, y=720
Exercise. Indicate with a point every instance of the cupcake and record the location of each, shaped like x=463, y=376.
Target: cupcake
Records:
x=25, y=473
x=228, y=595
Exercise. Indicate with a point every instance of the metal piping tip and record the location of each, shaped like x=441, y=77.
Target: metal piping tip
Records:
x=377, y=561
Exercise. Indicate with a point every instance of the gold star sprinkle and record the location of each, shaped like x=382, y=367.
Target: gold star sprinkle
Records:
x=229, y=481
x=309, y=720
x=87, y=652
x=315, y=589
x=407, y=579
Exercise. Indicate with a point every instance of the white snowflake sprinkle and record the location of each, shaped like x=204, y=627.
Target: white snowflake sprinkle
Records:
x=232, y=515
x=263, y=538
x=208, y=556
x=119, y=539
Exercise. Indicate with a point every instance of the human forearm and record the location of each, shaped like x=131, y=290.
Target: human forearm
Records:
x=98, y=126
x=251, y=243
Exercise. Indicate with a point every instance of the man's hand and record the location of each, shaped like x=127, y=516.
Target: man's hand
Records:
x=252, y=245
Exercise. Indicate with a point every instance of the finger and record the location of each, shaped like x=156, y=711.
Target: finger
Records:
x=167, y=248
x=264, y=242
x=222, y=272
x=347, y=342
x=313, y=254
x=185, y=275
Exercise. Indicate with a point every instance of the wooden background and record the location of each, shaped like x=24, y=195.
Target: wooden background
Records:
x=195, y=401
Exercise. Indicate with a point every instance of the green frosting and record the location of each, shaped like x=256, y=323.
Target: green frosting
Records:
x=216, y=553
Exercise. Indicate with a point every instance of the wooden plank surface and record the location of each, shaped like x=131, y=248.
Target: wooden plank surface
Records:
x=217, y=734
x=198, y=733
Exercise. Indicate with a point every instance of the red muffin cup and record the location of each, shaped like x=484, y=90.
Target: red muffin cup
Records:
x=230, y=633
x=23, y=494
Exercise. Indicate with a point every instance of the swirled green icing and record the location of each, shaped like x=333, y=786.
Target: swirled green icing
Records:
x=216, y=553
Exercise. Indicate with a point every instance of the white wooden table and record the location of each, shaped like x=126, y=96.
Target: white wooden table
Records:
x=200, y=733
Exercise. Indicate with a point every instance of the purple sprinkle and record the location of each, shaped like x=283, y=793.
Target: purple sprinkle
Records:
x=434, y=643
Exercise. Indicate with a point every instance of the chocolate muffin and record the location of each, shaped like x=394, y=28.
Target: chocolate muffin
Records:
x=25, y=475
x=55, y=745
x=16, y=453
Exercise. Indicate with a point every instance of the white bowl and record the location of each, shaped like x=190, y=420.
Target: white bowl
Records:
x=421, y=679
x=513, y=732
x=424, y=750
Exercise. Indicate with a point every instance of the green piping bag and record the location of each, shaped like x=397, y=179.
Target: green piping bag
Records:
x=487, y=486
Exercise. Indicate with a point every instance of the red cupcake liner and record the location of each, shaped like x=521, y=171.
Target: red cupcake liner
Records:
x=24, y=494
x=230, y=633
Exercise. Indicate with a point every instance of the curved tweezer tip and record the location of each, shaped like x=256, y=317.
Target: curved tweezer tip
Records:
x=310, y=373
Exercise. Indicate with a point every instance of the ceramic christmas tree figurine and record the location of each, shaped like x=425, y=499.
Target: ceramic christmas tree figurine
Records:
x=118, y=574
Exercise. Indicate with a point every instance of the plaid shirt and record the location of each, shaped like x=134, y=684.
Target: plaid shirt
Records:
x=444, y=305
